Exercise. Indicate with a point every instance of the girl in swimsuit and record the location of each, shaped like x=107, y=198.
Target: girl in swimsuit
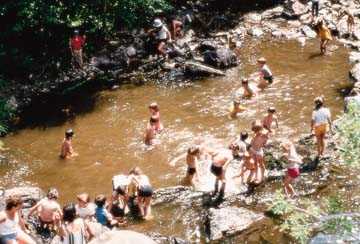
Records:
x=293, y=170
x=155, y=113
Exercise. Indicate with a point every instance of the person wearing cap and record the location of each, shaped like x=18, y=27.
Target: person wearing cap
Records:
x=258, y=143
x=248, y=91
x=324, y=35
x=76, y=45
x=161, y=34
x=270, y=119
x=266, y=76
x=236, y=108
x=155, y=112
x=84, y=208
x=48, y=209
x=321, y=117
x=67, y=150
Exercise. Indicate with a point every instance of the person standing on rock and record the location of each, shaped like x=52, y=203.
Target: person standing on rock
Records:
x=350, y=20
x=162, y=35
x=324, y=34
x=293, y=170
x=192, y=157
x=321, y=117
x=315, y=8
x=76, y=45
x=257, y=148
x=12, y=225
x=266, y=76
x=220, y=162
x=67, y=150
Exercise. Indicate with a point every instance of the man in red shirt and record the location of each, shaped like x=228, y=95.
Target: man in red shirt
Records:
x=77, y=43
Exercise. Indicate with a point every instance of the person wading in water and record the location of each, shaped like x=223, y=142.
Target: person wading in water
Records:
x=76, y=44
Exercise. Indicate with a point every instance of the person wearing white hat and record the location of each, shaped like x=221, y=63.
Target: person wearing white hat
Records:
x=161, y=34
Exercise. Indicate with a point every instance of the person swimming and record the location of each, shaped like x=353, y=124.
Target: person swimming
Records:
x=67, y=150
x=236, y=108
x=266, y=76
x=220, y=162
x=155, y=113
x=270, y=119
x=249, y=92
x=257, y=148
x=151, y=130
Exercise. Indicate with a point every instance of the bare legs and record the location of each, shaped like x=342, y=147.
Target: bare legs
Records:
x=288, y=188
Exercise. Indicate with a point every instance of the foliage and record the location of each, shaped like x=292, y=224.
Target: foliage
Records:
x=5, y=114
x=36, y=32
x=349, y=133
x=340, y=225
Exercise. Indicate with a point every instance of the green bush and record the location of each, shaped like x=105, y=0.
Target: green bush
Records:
x=348, y=129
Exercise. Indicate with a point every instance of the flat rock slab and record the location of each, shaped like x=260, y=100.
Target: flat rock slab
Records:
x=230, y=221
x=122, y=237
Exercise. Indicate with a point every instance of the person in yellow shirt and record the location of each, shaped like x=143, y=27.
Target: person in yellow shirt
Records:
x=324, y=34
x=236, y=108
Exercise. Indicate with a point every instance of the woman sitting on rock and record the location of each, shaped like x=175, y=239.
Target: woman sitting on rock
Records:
x=12, y=227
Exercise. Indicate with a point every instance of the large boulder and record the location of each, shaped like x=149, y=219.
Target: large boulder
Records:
x=256, y=32
x=29, y=194
x=123, y=237
x=294, y=8
x=308, y=32
x=198, y=69
x=354, y=57
x=355, y=72
x=221, y=58
x=229, y=221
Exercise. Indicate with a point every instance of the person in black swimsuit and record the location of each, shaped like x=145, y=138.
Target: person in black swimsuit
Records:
x=193, y=154
x=220, y=161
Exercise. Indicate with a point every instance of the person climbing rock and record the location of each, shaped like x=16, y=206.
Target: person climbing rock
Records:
x=266, y=76
x=162, y=36
x=321, y=117
x=67, y=150
x=293, y=170
x=324, y=35
x=77, y=42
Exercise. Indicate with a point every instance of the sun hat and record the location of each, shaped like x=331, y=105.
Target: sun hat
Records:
x=157, y=23
x=83, y=197
x=262, y=60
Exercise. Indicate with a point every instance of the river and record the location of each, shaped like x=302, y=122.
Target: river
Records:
x=108, y=134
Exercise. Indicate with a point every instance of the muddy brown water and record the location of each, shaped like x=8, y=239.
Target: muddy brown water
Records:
x=109, y=137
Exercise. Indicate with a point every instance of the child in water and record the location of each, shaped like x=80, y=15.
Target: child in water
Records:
x=248, y=91
x=193, y=154
x=269, y=119
x=67, y=150
x=324, y=34
x=248, y=165
x=155, y=112
x=266, y=76
x=257, y=148
x=151, y=130
x=236, y=108
x=293, y=171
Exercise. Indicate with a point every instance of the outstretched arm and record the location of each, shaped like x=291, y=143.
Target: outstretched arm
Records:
x=175, y=160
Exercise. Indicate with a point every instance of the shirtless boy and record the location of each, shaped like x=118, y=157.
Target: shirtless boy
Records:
x=67, y=150
x=238, y=147
x=155, y=112
x=248, y=91
x=266, y=76
x=248, y=165
x=193, y=154
x=236, y=108
x=269, y=119
x=151, y=130
x=257, y=148
x=220, y=161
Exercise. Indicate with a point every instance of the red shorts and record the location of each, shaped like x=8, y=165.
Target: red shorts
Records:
x=293, y=172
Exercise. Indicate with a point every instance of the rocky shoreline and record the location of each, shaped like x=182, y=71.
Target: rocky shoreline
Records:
x=238, y=215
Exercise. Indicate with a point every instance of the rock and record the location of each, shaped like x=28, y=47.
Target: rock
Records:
x=228, y=221
x=30, y=195
x=356, y=34
x=207, y=45
x=160, y=239
x=256, y=32
x=294, y=8
x=273, y=13
x=198, y=69
x=253, y=18
x=277, y=33
x=355, y=72
x=308, y=32
x=342, y=28
x=122, y=236
x=354, y=57
x=174, y=194
x=221, y=58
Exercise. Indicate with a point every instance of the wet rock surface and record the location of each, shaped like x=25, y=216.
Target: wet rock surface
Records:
x=29, y=195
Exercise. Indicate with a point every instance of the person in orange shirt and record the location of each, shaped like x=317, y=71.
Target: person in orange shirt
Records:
x=324, y=34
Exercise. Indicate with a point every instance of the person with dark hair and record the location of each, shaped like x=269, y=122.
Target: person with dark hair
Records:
x=324, y=35
x=247, y=165
x=101, y=213
x=67, y=150
x=176, y=28
x=266, y=76
x=238, y=146
x=119, y=204
x=192, y=157
x=315, y=8
x=321, y=117
x=220, y=161
x=12, y=226
x=269, y=119
x=76, y=44
x=48, y=209
x=73, y=230
x=144, y=192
